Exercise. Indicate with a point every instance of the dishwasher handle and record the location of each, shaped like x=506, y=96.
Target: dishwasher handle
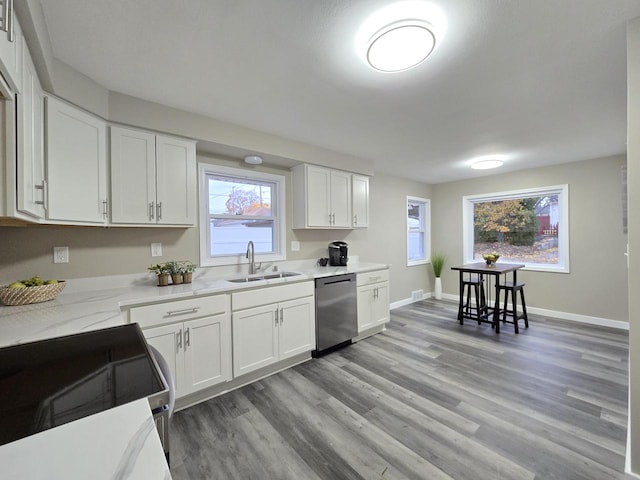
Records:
x=326, y=281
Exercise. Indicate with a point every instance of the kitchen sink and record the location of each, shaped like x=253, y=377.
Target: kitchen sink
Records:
x=271, y=276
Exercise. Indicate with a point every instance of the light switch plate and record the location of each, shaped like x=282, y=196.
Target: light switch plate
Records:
x=295, y=246
x=60, y=254
x=156, y=249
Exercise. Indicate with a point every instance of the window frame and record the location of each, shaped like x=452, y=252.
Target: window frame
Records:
x=562, y=191
x=426, y=232
x=278, y=208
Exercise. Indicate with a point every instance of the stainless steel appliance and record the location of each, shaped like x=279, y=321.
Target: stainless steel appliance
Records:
x=338, y=253
x=336, y=312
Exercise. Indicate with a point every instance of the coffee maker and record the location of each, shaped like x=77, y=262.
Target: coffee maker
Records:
x=338, y=254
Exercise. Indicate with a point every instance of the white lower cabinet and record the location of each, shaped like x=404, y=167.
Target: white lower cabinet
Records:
x=197, y=350
x=373, y=299
x=265, y=332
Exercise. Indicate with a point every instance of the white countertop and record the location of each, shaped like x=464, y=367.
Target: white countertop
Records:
x=118, y=443
x=91, y=304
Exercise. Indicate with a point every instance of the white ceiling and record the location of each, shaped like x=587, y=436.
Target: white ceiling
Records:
x=541, y=81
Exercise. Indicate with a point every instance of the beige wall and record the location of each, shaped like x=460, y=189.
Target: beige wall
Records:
x=97, y=251
x=597, y=284
x=633, y=156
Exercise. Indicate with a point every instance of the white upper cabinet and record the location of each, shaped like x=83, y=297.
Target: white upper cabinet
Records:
x=322, y=197
x=153, y=178
x=31, y=191
x=11, y=47
x=360, y=203
x=76, y=155
x=175, y=181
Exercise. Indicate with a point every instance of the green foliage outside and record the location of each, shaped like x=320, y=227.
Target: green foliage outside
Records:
x=510, y=221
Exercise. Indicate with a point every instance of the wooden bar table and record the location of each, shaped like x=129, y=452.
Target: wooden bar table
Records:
x=482, y=269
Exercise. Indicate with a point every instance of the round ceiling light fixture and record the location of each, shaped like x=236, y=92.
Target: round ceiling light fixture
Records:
x=487, y=162
x=253, y=159
x=401, y=45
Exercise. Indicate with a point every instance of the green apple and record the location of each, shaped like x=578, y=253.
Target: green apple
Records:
x=17, y=285
x=51, y=282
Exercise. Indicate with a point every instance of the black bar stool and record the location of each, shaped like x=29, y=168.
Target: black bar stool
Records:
x=474, y=284
x=514, y=288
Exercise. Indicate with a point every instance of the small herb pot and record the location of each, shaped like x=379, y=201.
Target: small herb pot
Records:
x=176, y=278
x=163, y=280
x=187, y=277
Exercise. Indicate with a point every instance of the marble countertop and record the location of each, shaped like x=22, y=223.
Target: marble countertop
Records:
x=91, y=304
x=118, y=443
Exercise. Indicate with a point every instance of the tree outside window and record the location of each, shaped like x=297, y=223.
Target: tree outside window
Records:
x=526, y=226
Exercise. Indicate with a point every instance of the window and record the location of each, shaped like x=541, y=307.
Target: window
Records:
x=524, y=226
x=418, y=230
x=238, y=206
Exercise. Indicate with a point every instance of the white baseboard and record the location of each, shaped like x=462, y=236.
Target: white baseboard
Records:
x=575, y=317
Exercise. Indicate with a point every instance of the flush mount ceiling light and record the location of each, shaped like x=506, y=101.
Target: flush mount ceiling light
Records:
x=400, y=35
x=488, y=162
x=253, y=159
x=401, y=45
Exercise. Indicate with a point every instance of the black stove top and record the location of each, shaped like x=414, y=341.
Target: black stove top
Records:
x=52, y=382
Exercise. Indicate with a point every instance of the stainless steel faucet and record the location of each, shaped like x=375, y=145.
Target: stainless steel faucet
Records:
x=251, y=257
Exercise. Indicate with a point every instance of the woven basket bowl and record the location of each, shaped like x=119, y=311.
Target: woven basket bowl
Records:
x=26, y=296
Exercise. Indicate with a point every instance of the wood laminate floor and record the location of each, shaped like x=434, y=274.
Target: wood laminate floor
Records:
x=426, y=399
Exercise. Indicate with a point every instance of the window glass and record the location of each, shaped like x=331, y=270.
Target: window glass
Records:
x=240, y=206
x=526, y=226
x=417, y=230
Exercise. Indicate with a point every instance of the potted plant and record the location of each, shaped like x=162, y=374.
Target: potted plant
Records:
x=175, y=269
x=187, y=269
x=437, y=262
x=162, y=272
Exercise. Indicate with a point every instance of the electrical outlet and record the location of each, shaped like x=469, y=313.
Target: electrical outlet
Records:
x=60, y=254
x=156, y=249
x=295, y=246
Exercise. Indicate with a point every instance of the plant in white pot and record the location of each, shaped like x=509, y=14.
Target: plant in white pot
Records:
x=437, y=262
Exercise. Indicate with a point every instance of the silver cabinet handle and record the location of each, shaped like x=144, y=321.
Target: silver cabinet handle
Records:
x=159, y=211
x=7, y=18
x=276, y=317
x=10, y=22
x=173, y=313
x=179, y=341
x=187, y=339
x=151, y=210
x=281, y=315
x=45, y=193
x=355, y=219
x=104, y=209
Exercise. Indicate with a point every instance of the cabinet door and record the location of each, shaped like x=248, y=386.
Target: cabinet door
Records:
x=296, y=325
x=360, y=196
x=340, y=199
x=365, y=301
x=255, y=340
x=380, y=305
x=133, y=176
x=11, y=50
x=168, y=340
x=76, y=164
x=318, y=196
x=31, y=181
x=207, y=352
x=175, y=181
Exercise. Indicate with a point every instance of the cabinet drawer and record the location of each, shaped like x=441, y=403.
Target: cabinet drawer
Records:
x=268, y=295
x=368, y=278
x=179, y=311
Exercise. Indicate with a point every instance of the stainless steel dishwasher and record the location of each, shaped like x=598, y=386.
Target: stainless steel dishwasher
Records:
x=336, y=312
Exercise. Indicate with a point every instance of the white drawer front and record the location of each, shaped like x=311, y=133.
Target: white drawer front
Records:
x=368, y=278
x=179, y=311
x=268, y=295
